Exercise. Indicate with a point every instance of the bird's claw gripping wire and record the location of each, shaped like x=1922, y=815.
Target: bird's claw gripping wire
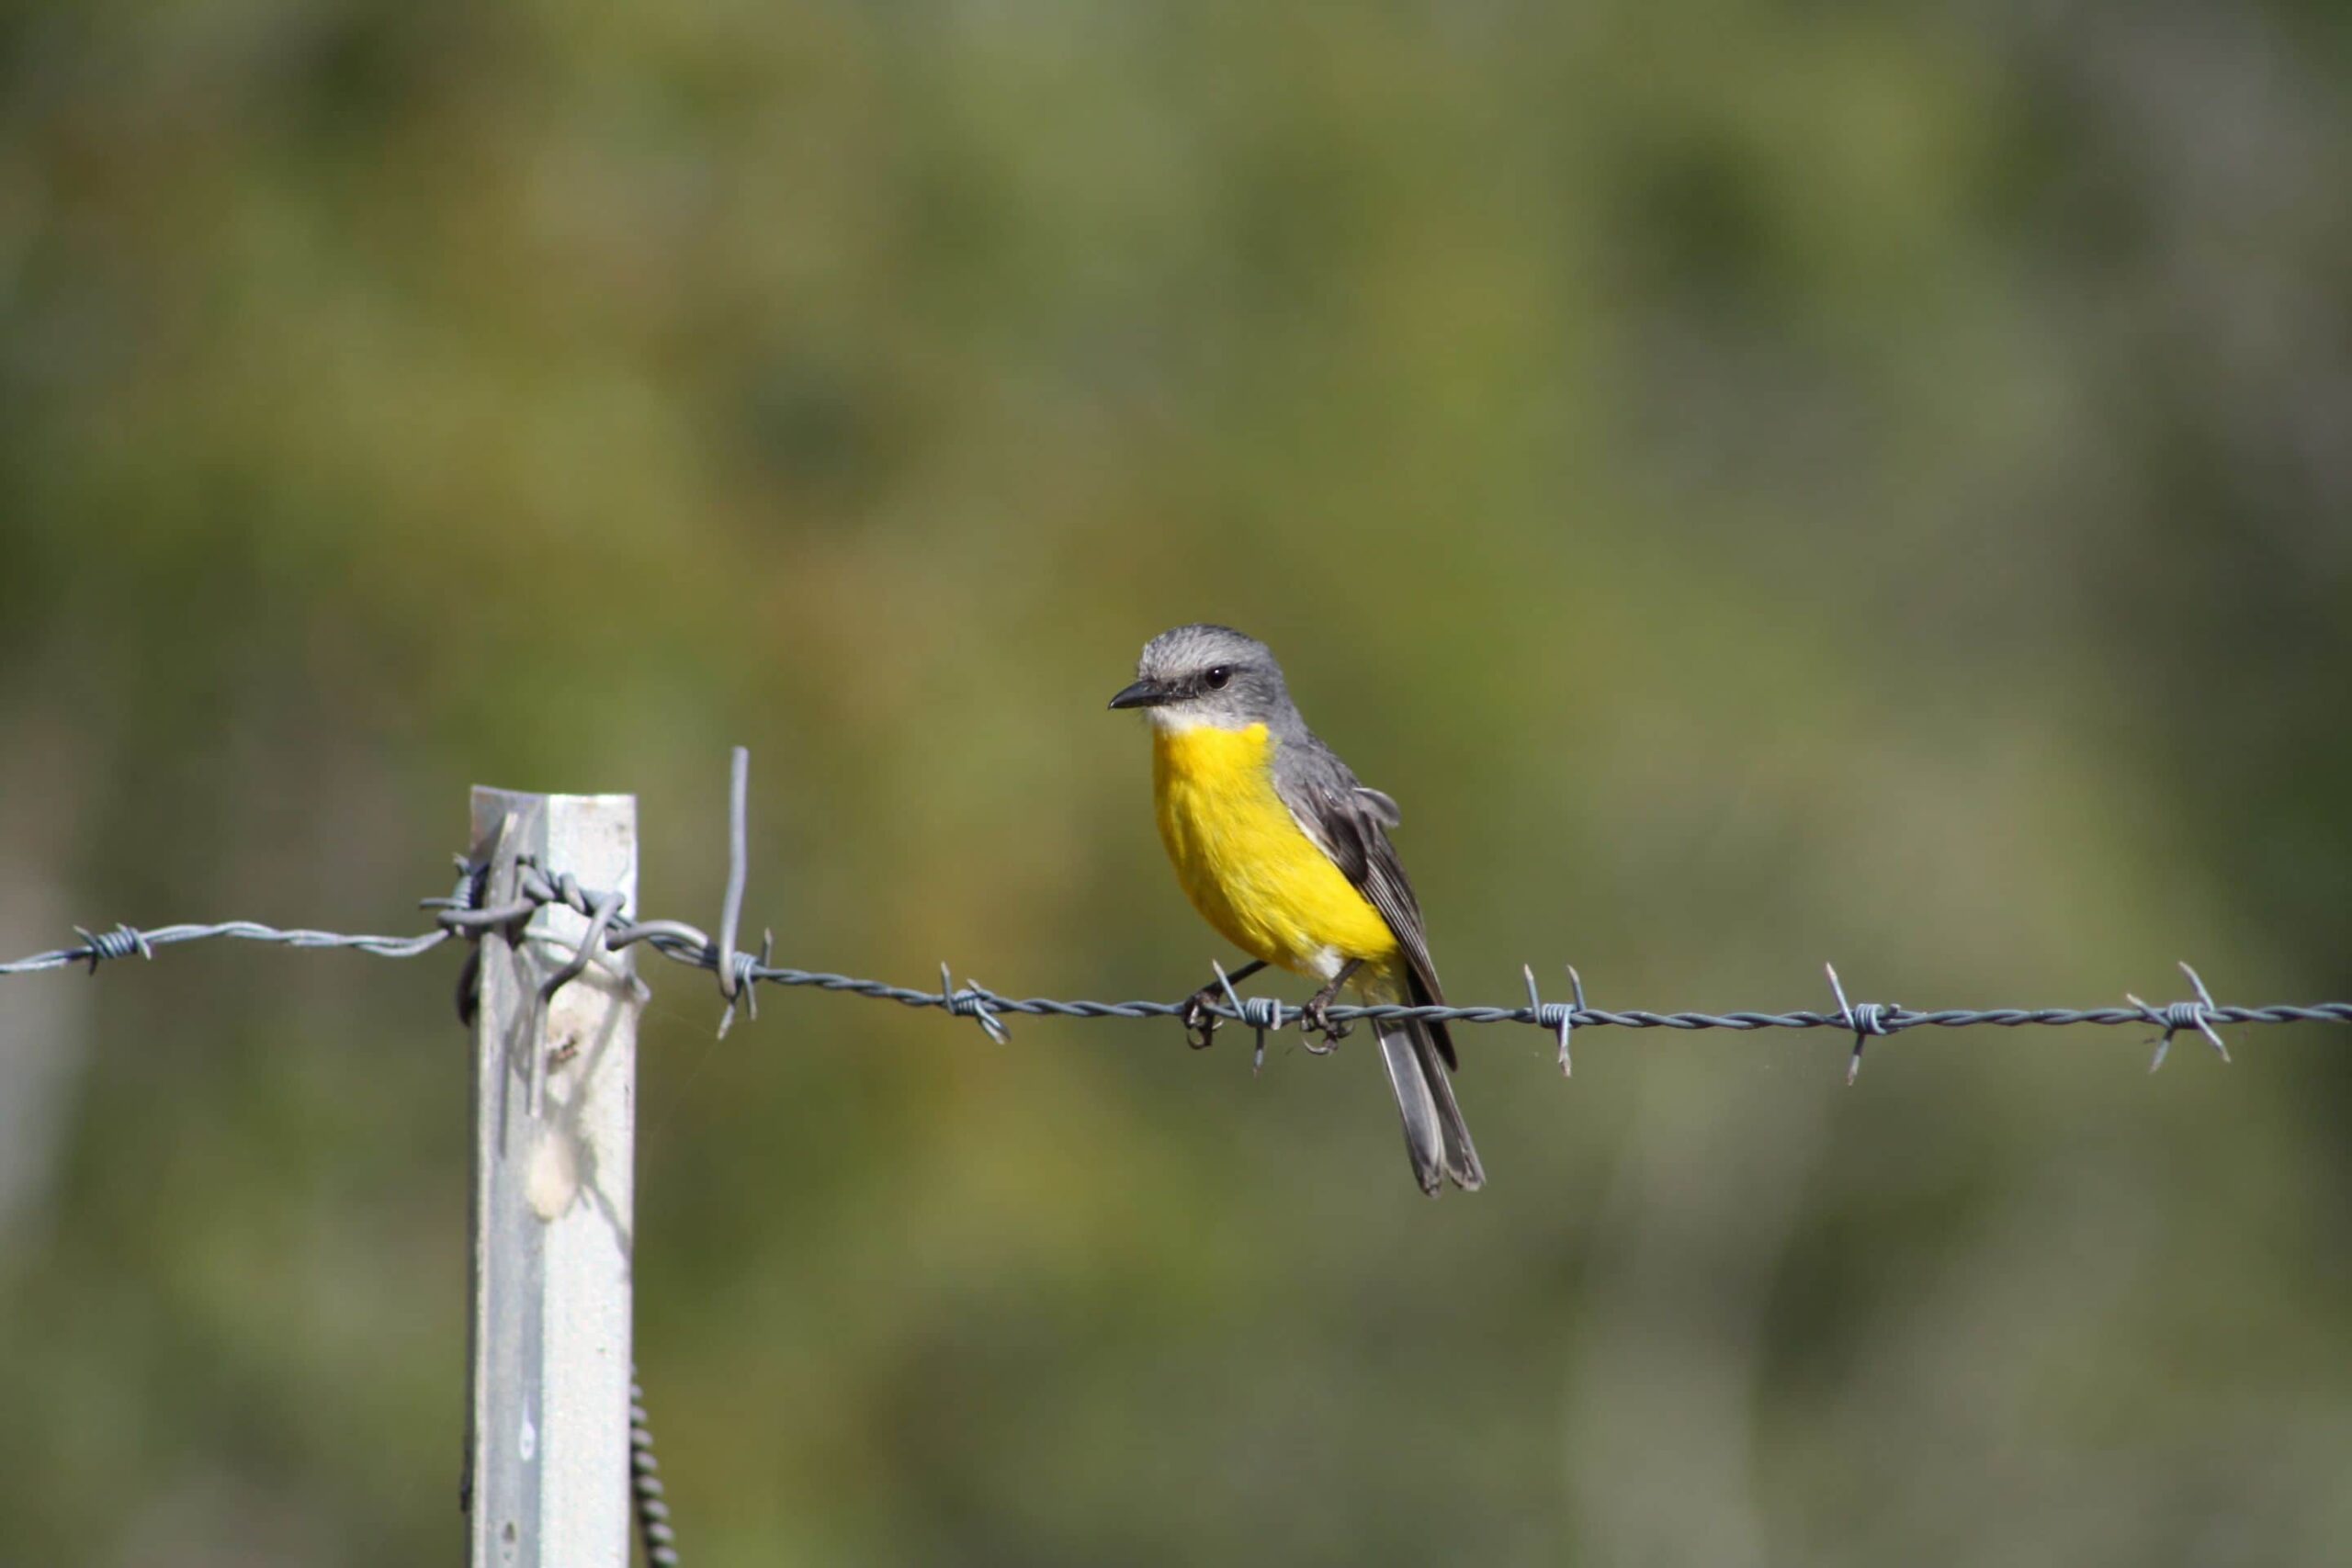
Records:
x=1197, y=1012
x=1315, y=1018
x=2176, y=1016
x=1200, y=1023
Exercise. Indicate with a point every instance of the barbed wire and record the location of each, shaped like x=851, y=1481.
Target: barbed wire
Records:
x=461, y=914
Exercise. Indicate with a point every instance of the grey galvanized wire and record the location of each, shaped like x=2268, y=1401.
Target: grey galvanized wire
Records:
x=461, y=914
x=124, y=942
x=686, y=944
x=739, y=973
x=1864, y=1019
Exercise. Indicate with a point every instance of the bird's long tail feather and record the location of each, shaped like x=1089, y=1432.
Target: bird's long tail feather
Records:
x=1435, y=1136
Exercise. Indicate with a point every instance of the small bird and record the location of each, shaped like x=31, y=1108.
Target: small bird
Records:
x=1287, y=855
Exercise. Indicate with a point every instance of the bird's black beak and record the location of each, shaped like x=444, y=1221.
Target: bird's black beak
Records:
x=1142, y=695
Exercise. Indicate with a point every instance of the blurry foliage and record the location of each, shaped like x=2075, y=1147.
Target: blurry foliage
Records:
x=1760, y=482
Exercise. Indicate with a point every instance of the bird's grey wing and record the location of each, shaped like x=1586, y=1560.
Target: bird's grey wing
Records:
x=1349, y=822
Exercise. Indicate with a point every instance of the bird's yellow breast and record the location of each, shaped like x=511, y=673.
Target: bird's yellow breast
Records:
x=1245, y=862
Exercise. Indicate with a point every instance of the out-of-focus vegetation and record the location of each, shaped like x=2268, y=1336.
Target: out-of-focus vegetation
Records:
x=1760, y=484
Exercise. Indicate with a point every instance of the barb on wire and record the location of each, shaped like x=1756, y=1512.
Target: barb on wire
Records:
x=2183, y=1015
x=120, y=942
x=971, y=1000
x=1260, y=1013
x=1865, y=1018
x=1554, y=1015
x=732, y=965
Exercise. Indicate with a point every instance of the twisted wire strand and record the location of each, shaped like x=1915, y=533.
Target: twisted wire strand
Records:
x=124, y=942
x=652, y=1508
x=1890, y=1018
x=689, y=946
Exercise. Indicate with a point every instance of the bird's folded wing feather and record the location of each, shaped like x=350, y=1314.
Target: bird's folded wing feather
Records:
x=1348, y=823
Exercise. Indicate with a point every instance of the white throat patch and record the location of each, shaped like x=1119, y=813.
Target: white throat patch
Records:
x=1174, y=720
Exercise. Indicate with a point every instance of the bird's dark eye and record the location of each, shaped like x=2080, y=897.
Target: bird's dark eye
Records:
x=1218, y=675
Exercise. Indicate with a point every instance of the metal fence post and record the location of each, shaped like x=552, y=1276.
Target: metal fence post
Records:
x=547, y=1481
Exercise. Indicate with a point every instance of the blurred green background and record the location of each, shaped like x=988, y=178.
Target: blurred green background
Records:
x=1761, y=483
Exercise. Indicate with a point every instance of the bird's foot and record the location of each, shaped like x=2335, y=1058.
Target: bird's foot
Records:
x=1315, y=1019
x=1200, y=1024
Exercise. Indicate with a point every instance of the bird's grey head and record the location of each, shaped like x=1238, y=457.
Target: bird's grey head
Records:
x=1207, y=676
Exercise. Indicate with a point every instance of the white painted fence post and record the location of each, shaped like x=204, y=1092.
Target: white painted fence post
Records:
x=555, y=1090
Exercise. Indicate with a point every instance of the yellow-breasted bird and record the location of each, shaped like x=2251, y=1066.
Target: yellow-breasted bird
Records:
x=1284, y=853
